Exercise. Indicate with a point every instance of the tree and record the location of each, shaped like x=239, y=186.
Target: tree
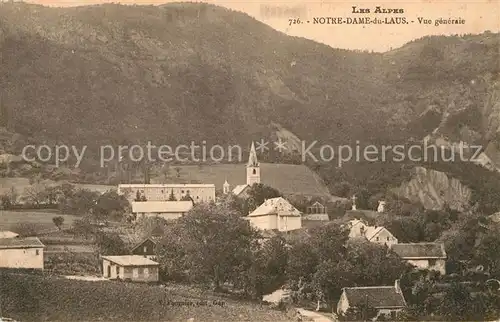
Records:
x=58, y=221
x=257, y=194
x=83, y=227
x=81, y=202
x=171, y=197
x=110, y=205
x=25, y=229
x=110, y=244
x=217, y=241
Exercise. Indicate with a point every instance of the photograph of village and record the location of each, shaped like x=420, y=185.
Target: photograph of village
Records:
x=289, y=227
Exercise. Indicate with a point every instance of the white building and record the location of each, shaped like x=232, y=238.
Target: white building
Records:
x=276, y=213
x=21, y=253
x=165, y=209
x=130, y=267
x=162, y=192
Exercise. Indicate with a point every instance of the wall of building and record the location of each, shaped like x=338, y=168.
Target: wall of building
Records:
x=164, y=215
x=22, y=258
x=138, y=273
x=287, y=223
x=162, y=192
x=384, y=238
x=264, y=222
x=435, y=265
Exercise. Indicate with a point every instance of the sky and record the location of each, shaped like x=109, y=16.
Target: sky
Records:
x=479, y=16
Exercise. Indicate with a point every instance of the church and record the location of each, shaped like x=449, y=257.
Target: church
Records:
x=253, y=175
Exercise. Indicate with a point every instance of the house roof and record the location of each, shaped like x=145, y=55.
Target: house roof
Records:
x=372, y=231
x=27, y=242
x=161, y=206
x=420, y=250
x=130, y=260
x=317, y=204
x=278, y=206
x=239, y=189
x=152, y=239
x=376, y=296
x=8, y=234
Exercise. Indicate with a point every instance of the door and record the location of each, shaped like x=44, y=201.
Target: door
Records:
x=109, y=270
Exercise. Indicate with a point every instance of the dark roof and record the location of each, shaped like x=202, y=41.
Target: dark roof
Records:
x=376, y=296
x=419, y=250
x=28, y=242
x=154, y=240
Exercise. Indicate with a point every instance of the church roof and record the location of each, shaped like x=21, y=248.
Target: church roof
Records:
x=252, y=157
x=279, y=206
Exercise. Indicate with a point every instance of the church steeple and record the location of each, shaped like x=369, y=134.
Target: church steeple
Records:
x=253, y=167
x=252, y=157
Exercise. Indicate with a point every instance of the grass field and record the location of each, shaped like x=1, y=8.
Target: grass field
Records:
x=287, y=178
x=49, y=298
x=40, y=219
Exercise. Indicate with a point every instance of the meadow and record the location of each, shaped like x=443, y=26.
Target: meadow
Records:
x=40, y=220
x=20, y=184
x=50, y=298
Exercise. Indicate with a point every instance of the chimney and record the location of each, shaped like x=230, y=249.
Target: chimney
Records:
x=397, y=286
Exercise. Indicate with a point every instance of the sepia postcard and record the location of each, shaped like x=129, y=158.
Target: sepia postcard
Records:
x=244, y=160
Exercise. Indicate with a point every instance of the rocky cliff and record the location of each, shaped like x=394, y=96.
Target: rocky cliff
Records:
x=434, y=189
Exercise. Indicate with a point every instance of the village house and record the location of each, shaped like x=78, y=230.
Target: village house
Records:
x=387, y=300
x=276, y=213
x=316, y=212
x=380, y=235
x=430, y=256
x=8, y=234
x=375, y=234
x=146, y=248
x=130, y=267
x=21, y=253
x=168, y=210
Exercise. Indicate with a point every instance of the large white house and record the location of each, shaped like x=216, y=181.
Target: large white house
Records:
x=166, y=209
x=21, y=253
x=276, y=213
x=162, y=192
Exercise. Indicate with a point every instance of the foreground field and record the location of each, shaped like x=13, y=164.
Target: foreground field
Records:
x=45, y=298
x=41, y=220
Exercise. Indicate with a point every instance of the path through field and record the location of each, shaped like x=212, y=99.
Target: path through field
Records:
x=314, y=316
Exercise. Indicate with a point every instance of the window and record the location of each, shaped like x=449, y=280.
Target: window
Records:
x=145, y=249
x=378, y=238
x=432, y=262
x=162, y=191
x=37, y=252
x=388, y=238
x=146, y=272
x=182, y=191
x=188, y=191
x=254, y=171
x=135, y=273
x=117, y=271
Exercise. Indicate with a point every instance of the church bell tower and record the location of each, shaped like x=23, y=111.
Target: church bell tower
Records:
x=253, y=167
